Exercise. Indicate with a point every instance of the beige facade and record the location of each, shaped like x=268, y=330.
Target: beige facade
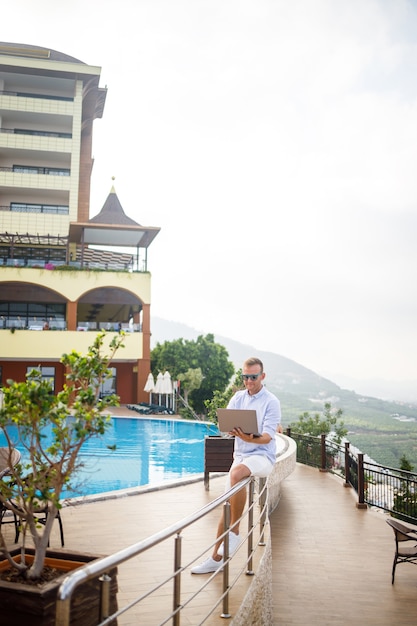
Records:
x=59, y=270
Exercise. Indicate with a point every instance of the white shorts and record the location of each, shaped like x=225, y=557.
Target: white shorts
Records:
x=258, y=464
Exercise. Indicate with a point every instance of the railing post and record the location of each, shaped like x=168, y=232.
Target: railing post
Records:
x=62, y=615
x=226, y=526
x=263, y=505
x=347, y=464
x=249, y=570
x=323, y=467
x=177, y=581
x=361, y=483
x=105, y=580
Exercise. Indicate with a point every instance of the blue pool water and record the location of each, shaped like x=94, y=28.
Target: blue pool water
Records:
x=148, y=452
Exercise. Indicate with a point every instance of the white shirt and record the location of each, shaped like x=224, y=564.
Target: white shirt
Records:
x=268, y=414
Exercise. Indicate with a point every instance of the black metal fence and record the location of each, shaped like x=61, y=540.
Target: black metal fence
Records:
x=390, y=489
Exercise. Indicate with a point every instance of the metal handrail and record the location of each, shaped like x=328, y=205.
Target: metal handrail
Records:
x=101, y=567
x=390, y=489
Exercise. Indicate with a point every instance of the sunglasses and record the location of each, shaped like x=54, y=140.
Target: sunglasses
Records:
x=251, y=376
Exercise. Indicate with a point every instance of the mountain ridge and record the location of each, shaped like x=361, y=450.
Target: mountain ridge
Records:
x=283, y=374
x=401, y=391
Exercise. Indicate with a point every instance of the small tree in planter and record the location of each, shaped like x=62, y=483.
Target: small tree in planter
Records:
x=48, y=463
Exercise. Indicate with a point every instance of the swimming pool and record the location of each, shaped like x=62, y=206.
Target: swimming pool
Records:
x=147, y=452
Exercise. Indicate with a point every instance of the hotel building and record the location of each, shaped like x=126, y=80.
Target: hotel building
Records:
x=61, y=270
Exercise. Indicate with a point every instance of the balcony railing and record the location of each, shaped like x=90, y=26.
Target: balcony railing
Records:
x=33, y=324
x=112, y=265
x=387, y=488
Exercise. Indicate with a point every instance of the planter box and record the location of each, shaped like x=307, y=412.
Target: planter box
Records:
x=218, y=456
x=22, y=604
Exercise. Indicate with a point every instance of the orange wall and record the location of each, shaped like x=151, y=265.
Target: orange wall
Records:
x=126, y=378
x=16, y=370
x=125, y=382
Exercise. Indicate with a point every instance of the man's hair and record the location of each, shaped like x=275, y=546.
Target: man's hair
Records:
x=253, y=360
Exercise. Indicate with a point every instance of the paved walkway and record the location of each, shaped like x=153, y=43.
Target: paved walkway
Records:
x=332, y=562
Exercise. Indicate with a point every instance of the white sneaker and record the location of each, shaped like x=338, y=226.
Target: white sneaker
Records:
x=207, y=566
x=234, y=541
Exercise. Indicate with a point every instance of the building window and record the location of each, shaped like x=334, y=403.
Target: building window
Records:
x=30, y=254
x=23, y=207
x=29, y=169
x=27, y=315
x=44, y=96
x=108, y=386
x=48, y=373
x=41, y=133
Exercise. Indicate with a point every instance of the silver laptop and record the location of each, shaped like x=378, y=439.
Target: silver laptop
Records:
x=228, y=419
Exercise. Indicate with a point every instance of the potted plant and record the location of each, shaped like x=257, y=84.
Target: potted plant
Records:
x=50, y=430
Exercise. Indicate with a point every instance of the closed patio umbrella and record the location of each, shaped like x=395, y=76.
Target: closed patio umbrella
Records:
x=149, y=385
x=158, y=386
x=167, y=388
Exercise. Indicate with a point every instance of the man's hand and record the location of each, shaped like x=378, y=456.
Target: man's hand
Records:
x=250, y=437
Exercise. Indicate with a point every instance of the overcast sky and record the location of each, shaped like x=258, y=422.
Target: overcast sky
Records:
x=275, y=144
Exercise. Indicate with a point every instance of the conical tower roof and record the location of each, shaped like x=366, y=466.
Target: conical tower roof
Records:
x=113, y=213
x=112, y=227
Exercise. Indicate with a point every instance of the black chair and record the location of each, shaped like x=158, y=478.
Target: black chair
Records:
x=8, y=459
x=44, y=512
x=405, y=543
x=11, y=458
